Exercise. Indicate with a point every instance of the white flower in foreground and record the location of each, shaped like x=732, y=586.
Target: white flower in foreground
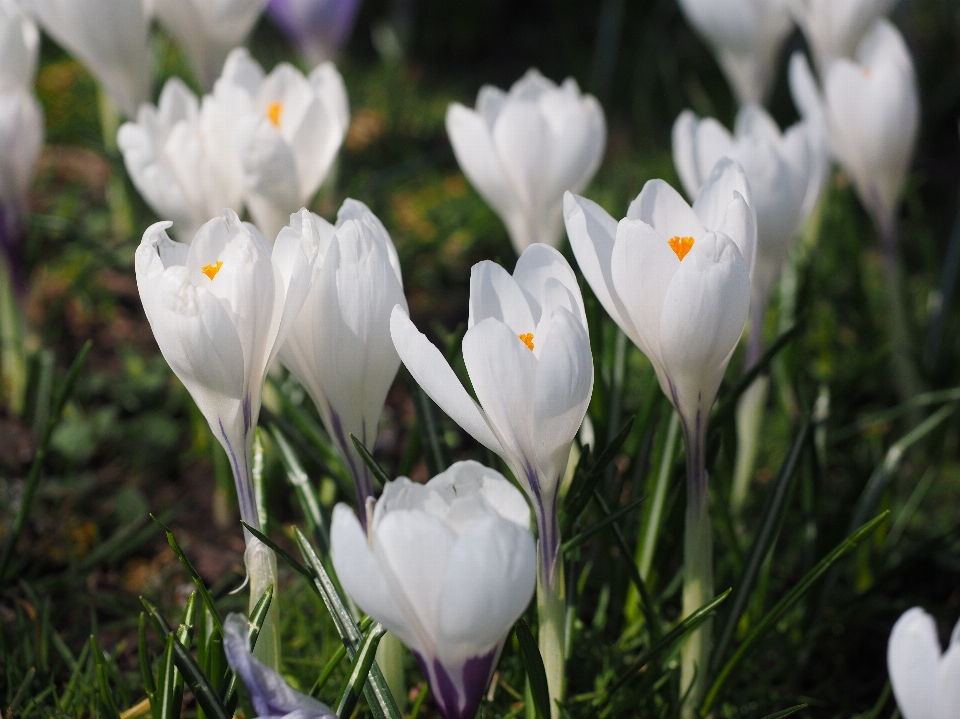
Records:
x=925, y=681
x=109, y=37
x=21, y=139
x=219, y=309
x=19, y=45
x=873, y=113
x=834, y=27
x=182, y=159
x=447, y=567
x=289, y=129
x=675, y=279
x=339, y=347
x=272, y=697
x=746, y=36
x=522, y=149
x=784, y=171
x=208, y=30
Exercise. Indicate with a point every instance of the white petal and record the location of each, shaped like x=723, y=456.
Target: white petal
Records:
x=725, y=204
x=684, y=151
x=913, y=655
x=495, y=293
x=662, y=207
x=539, y=264
x=947, y=704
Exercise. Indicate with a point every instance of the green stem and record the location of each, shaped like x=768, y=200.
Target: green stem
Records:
x=261, y=565
x=13, y=359
x=390, y=654
x=750, y=410
x=905, y=376
x=552, y=609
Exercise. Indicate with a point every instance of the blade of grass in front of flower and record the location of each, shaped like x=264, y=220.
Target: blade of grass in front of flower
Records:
x=280, y=551
x=166, y=689
x=786, y=712
x=306, y=496
x=650, y=528
x=421, y=698
x=533, y=665
x=372, y=464
x=194, y=575
x=584, y=534
x=770, y=520
x=435, y=452
x=33, y=478
x=357, y=675
x=379, y=698
x=786, y=603
x=203, y=691
x=578, y=496
x=257, y=617
x=184, y=635
x=105, y=703
x=334, y=661
x=146, y=671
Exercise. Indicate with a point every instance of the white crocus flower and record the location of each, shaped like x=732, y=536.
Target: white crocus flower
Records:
x=522, y=149
x=109, y=37
x=873, y=113
x=19, y=46
x=220, y=308
x=208, y=30
x=447, y=567
x=181, y=158
x=926, y=682
x=527, y=352
x=289, y=129
x=676, y=280
x=833, y=28
x=339, y=347
x=746, y=36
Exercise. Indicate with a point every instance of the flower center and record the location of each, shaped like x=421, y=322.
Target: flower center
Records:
x=274, y=111
x=681, y=245
x=527, y=339
x=212, y=270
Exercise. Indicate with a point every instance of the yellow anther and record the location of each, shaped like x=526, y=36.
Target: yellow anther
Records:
x=274, y=111
x=681, y=245
x=212, y=270
x=527, y=339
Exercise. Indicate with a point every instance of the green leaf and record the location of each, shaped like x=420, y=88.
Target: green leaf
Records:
x=430, y=432
x=357, y=676
x=786, y=712
x=581, y=490
x=146, y=671
x=582, y=536
x=206, y=696
x=334, y=661
x=368, y=460
x=770, y=520
x=281, y=552
x=256, y=619
x=306, y=496
x=105, y=699
x=33, y=478
x=786, y=603
x=167, y=708
x=533, y=663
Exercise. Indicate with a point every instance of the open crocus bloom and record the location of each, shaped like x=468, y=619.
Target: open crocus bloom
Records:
x=109, y=37
x=785, y=172
x=675, y=279
x=289, y=129
x=925, y=681
x=527, y=351
x=522, y=149
x=272, y=697
x=746, y=36
x=208, y=30
x=447, y=567
x=219, y=309
x=872, y=111
x=339, y=347
x=834, y=27
x=181, y=159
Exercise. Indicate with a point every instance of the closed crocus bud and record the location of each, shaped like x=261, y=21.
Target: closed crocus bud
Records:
x=181, y=159
x=19, y=45
x=109, y=37
x=208, y=30
x=289, y=129
x=834, y=27
x=873, y=111
x=447, y=567
x=339, y=347
x=746, y=36
x=318, y=28
x=925, y=681
x=272, y=697
x=522, y=149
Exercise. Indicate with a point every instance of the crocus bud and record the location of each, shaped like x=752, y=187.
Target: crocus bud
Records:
x=180, y=156
x=926, y=682
x=272, y=697
x=522, y=149
x=447, y=567
x=746, y=36
x=318, y=28
x=19, y=45
x=289, y=129
x=833, y=28
x=339, y=347
x=208, y=30
x=109, y=37
x=873, y=112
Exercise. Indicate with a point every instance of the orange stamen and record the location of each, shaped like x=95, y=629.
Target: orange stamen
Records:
x=212, y=270
x=681, y=245
x=527, y=339
x=274, y=111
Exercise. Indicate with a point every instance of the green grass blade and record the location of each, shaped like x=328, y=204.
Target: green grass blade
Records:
x=166, y=686
x=786, y=603
x=256, y=619
x=334, y=661
x=431, y=436
x=786, y=712
x=581, y=537
x=357, y=676
x=533, y=663
x=581, y=490
x=306, y=496
x=281, y=552
x=371, y=463
x=206, y=696
x=105, y=699
x=146, y=671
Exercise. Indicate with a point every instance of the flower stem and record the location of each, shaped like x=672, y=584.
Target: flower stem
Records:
x=697, y=570
x=905, y=377
x=261, y=565
x=551, y=604
x=749, y=421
